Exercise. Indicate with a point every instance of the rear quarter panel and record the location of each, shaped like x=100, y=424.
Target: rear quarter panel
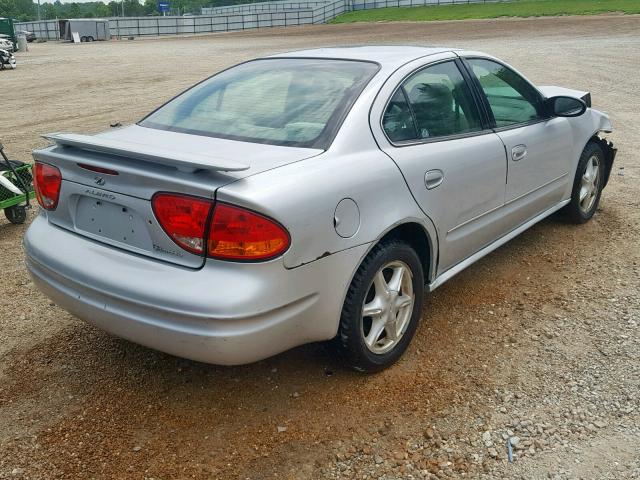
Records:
x=303, y=197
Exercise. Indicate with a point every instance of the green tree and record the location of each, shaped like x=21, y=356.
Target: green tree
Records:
x=102, y=10
x=18, y=9
x=114, y=9
x=25, y=10
x=151, y=7
x=74, y=10
x=48, y=11
x=7, y=8
x=133, y=8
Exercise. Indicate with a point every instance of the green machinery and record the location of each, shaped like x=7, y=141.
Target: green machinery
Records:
x=6, y=28
x=16, y=188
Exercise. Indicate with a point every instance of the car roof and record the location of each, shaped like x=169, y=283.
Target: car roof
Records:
x=386, y=55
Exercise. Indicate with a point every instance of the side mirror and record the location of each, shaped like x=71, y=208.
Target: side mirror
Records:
x=566, y=106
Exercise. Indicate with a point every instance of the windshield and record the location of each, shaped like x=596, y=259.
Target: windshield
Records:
x=294, y=101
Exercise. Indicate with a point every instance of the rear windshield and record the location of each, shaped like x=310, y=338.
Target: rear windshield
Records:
x=295, y=102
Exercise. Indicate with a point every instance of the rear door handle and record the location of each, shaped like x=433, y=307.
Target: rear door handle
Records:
x=518, y=152
x=433, y=178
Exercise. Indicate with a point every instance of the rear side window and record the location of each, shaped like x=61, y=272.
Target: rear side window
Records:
x=512, y=99
x=440, y=104
x=294, y=102
x=398, y=120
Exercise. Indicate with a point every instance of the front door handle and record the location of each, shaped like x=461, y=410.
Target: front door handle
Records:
x=518, y=152
x=433, y=178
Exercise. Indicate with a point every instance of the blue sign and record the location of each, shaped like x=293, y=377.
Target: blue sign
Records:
x=163, y=7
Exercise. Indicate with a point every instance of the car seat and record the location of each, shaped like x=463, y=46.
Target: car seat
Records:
x=433, y=107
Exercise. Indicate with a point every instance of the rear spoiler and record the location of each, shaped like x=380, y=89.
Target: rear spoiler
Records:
x=183, y=161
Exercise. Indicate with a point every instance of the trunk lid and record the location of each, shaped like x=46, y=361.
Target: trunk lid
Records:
x=117, y=210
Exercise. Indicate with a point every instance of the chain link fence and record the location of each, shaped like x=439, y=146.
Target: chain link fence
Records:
x=237, y=17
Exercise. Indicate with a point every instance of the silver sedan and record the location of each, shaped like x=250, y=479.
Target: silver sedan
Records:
x=310, y=196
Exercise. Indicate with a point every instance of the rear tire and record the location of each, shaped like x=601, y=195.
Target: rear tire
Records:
x=389, y=285
x=587, y=185
x=17, y=214
x=90, y=39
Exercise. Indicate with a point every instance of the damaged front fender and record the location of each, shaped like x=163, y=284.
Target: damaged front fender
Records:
x=609, y=156
x=602, y=123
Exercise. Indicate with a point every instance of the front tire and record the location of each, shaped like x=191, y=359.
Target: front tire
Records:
x=587, y=185
x=382, y=307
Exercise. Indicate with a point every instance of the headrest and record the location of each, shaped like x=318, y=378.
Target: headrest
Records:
x=431, y=95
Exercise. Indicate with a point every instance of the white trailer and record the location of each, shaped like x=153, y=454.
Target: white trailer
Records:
x=88, y=30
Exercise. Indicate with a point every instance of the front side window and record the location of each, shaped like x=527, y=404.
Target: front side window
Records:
x=439, y=102
x=512, y=99
x=293, y=102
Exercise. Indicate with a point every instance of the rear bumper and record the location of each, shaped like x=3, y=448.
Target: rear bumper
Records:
x=225, y=313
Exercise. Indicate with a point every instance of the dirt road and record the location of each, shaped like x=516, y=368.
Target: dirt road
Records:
x=539, y=340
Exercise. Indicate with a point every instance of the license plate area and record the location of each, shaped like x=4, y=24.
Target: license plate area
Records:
x=113, y=221
x=98, y=214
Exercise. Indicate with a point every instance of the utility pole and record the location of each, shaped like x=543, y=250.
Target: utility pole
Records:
x=123, y=8
x=39, y=10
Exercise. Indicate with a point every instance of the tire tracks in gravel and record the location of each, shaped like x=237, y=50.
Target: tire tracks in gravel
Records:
x=112, y=396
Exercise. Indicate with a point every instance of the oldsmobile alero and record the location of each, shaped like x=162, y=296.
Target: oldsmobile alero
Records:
x=308, y=196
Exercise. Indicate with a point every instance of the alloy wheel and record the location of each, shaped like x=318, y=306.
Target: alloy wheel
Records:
x=387, y=307
x=589, y=184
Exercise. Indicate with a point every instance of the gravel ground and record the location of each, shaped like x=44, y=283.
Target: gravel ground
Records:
x=537, y=344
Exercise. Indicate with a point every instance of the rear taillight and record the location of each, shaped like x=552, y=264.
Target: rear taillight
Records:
x=239, y=234
x=47, y=185
x=233, y=233
x=183, y=218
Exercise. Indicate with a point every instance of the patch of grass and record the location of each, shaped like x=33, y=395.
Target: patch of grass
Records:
x=517, y=8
